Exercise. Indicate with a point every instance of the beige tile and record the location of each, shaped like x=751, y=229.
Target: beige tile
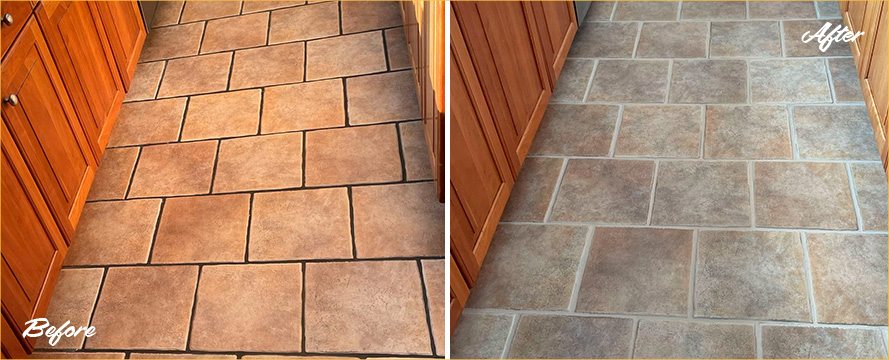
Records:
x=743, y=38
x=351, y=308
x=570, y=337
x=701, y=193
x=575, y=130
x=280, y=229
x=647, y=10
x=114, y=232
x=77, y=355
x=368, y=15
x=599, y=11
x=803, y=195
x=255, y=6
x=533, y=190
x=709, y=81
x=480, y=336
x=870, y=186
x=203, y=10
x=236, y=33
x=371, y=156
x=345, y=55
x=172, y=42
x=573, y=80
x=850, y=276
x=637, y=271
x=398, y=220
x=167, y=13
x=660, y=131
x=181, y=356
x=751, y=275
x=789, y=80
x=311, y=105
x=795, y=47
x=673, y=40
x=844, y=75
x=662, y=339
x=259, y=163
x=630, y=81
x=72, y=300
x=222, y=115
x=542, y=258
x=195, y=75
x=434, y=279
x=145, y=81
x=382, y=98
x=130, y=305
x=415, y=150
x=270, y=65
x=781, y=9
x=249, y=308
x=714, y=10
x=174, y=169
x=747, y=132
x=396, y=49
x=304, y=23
x=834, y=132
x=609, y=191
x=198, y=229
x=809, y=342
x=295, y=357
x=148, y=122
x=605, y=40
x=114, y=173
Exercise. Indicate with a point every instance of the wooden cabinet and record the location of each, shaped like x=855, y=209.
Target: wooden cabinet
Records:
x=14, y=15
x=126, y=34
x=557, y=24
x=459, y=294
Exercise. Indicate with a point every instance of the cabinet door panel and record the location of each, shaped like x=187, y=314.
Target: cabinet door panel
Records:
x=557, y=25
x=875, y=81
x=20, y=11
x=459, y=294
x=126, y=34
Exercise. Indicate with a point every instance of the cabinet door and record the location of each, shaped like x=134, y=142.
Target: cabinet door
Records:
x=459, y=294
x=43, y=124
x=77, y=40
x=126, y=33
x=19, y=11
x=875, y=80
x=557, y=25
x=861, y=16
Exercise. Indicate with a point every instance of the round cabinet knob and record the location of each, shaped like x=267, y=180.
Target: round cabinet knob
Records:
x=12, y=100
x=7, y=19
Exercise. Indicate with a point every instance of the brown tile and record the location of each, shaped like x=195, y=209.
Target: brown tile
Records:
x=366, y=154
x=174, y=169
x=809, y=195
x=304, y=22
x=673, y=40
x=630, y=81
x=368, y=15
x=609, y=191
x=809, y=342
x=295, y=357
x=599, y=11
x=480, y=336
x=744, y=38
x=605, y=40
x=203, y=10
x=646, y=10
x=434, y=279
x=279, y=229
x=259, y=163
x=255, y=6
x=573, y=80
x=77, y=355
x=870, y=186
x=834, y=132
x=222, y=115
x=789, y=80
x=795, y=47
x=533, y=190
x=114, y=232
x=846, y=85
x=355, y=54
x=575, y=130
x=714, y=10
x=182, y=356
x=542, y=258
x=637, y=271
x=130, y=305
x=781, y=9
x=235, y=33
x=320, y=105
x=664, y=339
x=73, y=299
x=571, y=337
x=396, y=49
x=660, y=131
x=237, y=303
x=148, y=122
x=398, y=220
x=351, y=308
x=195, y=75
x=145, y=81
x=745, y=132
x=382, y=98
x=167, y=13
x=202, y=229
x=114, y=173
x=172, y=42
x=270, y=65
x=701, y=193
x=850, y=276
x=415, y=150
x=828, y=9
x=709, y=81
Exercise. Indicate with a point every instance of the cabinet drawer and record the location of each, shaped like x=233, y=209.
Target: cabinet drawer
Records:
x=18, y=12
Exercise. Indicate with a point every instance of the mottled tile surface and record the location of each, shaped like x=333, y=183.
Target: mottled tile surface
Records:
x=604, y=40
x=270, y=65
x=235, y=33
x=789, y=80
x=114, y=232
x=573, y=80
x=781, y=9
x=660, y=131
x=172, y=42
x=794, y=46
x=372, y=156
x=701, y=193
x=834, y=132
x=664, y=339
x=203, y=10
x=261, y=162
x=569, y=337
x=369, y=15
x=828, y=9
x=202, y=229
x=575, y=130
x=600, y=11
x=195, y=75
x=398, y=221
x=673, y=40
x=304, y=22
x=713, y=10
x=533, y=190
x=744, y=38
x=148, y=122
x=809, y=195
x=610, y=191
x=382, y=98
x=646, y=10
x=807, y=342
x=870, y=187
x=630, y=81
x=708, y=81
x=747, y=132
x=73, y=299
x=113, y=177
x=319, y=104
x=345, y=55
x=145, y=81
x=480, y=336
x=844, y=75
x=222, y=115
x=415, y=150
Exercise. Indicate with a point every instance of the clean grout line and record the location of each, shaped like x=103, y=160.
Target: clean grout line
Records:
x=510, y=336
x=757, y=333
x=703, y=131
x=620, y=116
x=833, y=91
x=709, y=36
x=293, y=261
x=652, y=158
x=679, y=11
x=697, y=227
x=635, y=334
x=695, y=239
x=751, y=184
x=638, y=38
x=781, y=37
x=215, y=165
x=581, y=268
x=854, y=194
x=669, y=81
x=653, y=189
x=589, y=84
x=809, y=282
x=552, y=200
x=613, y=10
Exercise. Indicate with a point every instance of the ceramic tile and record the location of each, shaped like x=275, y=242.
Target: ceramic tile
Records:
x=319, y=104
x=834, y=132
x=369, y=15
x=789, y=80
x=434, y=280
x=660, y=131
x=599, y=11
x=235, y=33
x=304, y=23
x=573, y=80
x=167, y=13
x=664, y=339
x=807, y=342
x=256, y=6
x=480, y=336
x=630, y=81
x=399, y=220
x=673, y=40
x=713, y=10
x=604, y=40
x=647, y=10
x=575, y=130
x=609, y=191
x=794, y=46
x=145, y=81
x=222, y=115
x=530, y=196
x=174, y=169
x=113, y=176
x=568, y=337
x=701, y=193
x=844, y=75
x=828, y=9
x=114, y=232
x=803, y=195
x=746, y=132
x=258, y=163
x=77, y=355
x=744, y=38
x=396, y=49
x=148, y=122
x=709, y=81
x=73, y=298
x=270, y=65
x=781, y=9
x=199, y=229
x=870, y=187
x=415, y=150
x=382, y=98
x=195, y=75
x=345, y=56
x=371, y=157
x=203, y=10
x=172, y=42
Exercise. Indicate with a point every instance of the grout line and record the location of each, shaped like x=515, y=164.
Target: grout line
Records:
x=652, y=158
x=510, y=336
x=679, y=11
x=293, y=261
x=159, y=82
x=757, y=333
x=249, y=225
x=747, y=8
x=613, y=10
x=157, y=226
x=340, y=15
x=653, y=189
x=346, y=102
x=638, y=38
x=401, y=152
x=194, y=307
x=749, y=82
x=669, y=81
x=703, y=130
x=386, y=51
x=633, y=339
x=854, y=194
x=305, y=138
x=695, y=239
x=352, y=222
x=215, y=165
x=132, y=174
x=303, y=308
x=697, y=227
x=593, y=102
x=581, y=268
x=184, y=116
x=552, y=200
x=201, y=42
x=305, y=61
x=751, y=185
x=95, y=305
x=809, y=282
x=241, y=12
x=231, y=72
x=833, y=91
x=617, y=125
x=268, y=29
x=261, y=106
x=781, y=37
x=794, y=141
x=817, y=12
x=709, y=37
x=589, y=84
x=426, y=306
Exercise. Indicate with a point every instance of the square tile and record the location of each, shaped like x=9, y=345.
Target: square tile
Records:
x=145, y=81
x=371, y=157
x=744, y=38
x=870, y=186
x=368, y=15
x=72, y=300
x=396, y=49
x=256, y=6
x=646, y=10
x=113, y=176
x=571, y=337
x=114, y=232
x=673, y=40
x=381, y=98
x=345, y=55
x=195, y=75
x=236, y=33
x=533, y=190
x=130, y=305
x=202, y=229
x=222, y=115
x=834, y=132
x=664, y=339
x=174, y=169
x=782, y=9
x=599, y=11
x=351, y=308
x=701, y=193
x=415, y=150
x=148, y=122
x=637, y=271
x=604, y=40
x=849, y=275
x=260, y=163
x=751, y=275
x=803, y=195
x=844, y=75
x=709, y=81
x=789, y=80
x=237, y=303
x=630, y=81
x=809, y=342
x=795, y=47
x=203, y=10
x=280, y=229
x=714, y=10
x=172, y=42
x=480, y=336
x=167, y=13
x=660, y=131
x=748, y=132
x=304, y=22
x=543, y=258
x=399, y=220
x=575, y=130
x=311, y=105
x=270, y=65
x=609, y=191
x=434, y=279
x=573, y=80
x=828, y=9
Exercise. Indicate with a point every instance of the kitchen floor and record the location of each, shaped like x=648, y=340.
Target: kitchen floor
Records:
x=703, y=185
x=266, y=192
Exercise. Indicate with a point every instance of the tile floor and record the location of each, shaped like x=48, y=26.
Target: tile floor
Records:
x=265, y=193
x=703, y=185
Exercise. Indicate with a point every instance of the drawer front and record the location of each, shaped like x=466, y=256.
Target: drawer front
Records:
x=18, y=12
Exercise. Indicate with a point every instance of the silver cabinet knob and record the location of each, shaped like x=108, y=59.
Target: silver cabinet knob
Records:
x=12, y=100
x=7, y=19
